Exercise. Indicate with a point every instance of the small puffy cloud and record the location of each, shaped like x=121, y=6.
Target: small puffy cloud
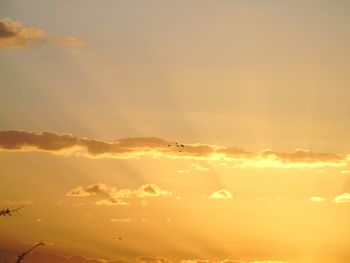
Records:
x=221, y=194
x=151, y=190
x=317, y=199
x=343, y=198
x=13, y=34
x=150, y=259
x=72, y=41
x=112, y=196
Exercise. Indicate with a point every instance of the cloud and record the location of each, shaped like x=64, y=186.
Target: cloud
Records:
x=8, y=255
x=228, y=261
x=72, y=41
x=66, y=144
x=13, y=34
x=317, y=199
x=343, y=198
x=199, y=167
x=149, y=259
x=209, y=261
x=16, y=202
x=91, y=190
x=121, y=220
x=148, y=190
x=345, y=171
x=112, y=196
x=79, y=204
x=221, y=194
x=111, y=202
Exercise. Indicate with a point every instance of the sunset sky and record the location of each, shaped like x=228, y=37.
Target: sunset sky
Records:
x=175, y=131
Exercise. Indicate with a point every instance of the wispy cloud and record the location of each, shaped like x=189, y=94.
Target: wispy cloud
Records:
x=14, y=35
x=221, y=194
x=343, y=198
x=71, y=41
x=121, y=220
x=199, y=167
x=209, y=261
x=66, y=144
x=112, y=196
x=229, y=261
x=150, y=259
x=16, y=202
x=91, y=190
x=7, y=254
x=317, y=199
x=111, y=202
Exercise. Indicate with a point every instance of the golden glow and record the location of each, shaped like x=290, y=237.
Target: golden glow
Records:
x=175, y=131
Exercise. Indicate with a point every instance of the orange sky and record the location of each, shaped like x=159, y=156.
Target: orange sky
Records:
x=167, y=131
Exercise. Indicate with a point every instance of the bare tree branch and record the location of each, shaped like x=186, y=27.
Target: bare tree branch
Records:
x=10, y=211
x=21, y=256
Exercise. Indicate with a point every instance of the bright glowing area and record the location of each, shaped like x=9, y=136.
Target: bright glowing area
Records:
x=174, y=131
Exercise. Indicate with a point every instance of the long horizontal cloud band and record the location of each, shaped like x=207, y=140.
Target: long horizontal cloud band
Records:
x=66, y=144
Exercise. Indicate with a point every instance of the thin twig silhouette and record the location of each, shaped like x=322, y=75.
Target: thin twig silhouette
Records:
x=21, y=256
x=10, y=211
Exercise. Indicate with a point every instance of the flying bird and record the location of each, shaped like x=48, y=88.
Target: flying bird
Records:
x=178, y=145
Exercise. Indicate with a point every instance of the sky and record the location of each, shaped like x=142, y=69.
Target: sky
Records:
x=175, y=131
